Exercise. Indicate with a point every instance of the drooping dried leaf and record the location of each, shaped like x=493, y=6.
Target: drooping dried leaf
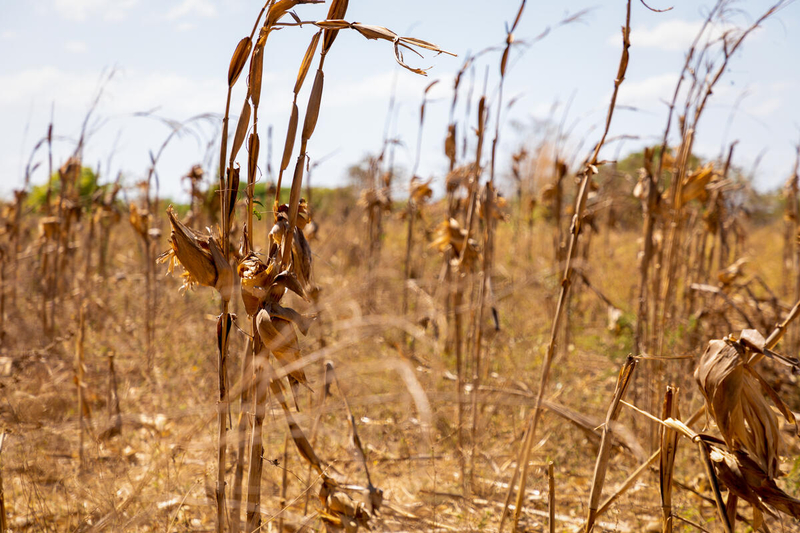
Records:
x=279, y=9
x=450, y=235
x=459, y=176
x=314, y=101
x=241, y=130
x=280, y=338
x=291, y=134
x=499, y=204
x=450, y=144
x=257, y=69
x=506, y=51
x=372, y=197
x=238, y=60
x=694, y=185
x=739, y=401
x=733, y=272
x=254, y=145
x=233, y=191
x=745, y=478
x=140, y=220
x=420, y=191
x=302, y=322
x=306, y=63
x=337, y=11
x=371, y=31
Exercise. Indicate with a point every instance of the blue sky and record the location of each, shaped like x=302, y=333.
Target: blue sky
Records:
x=171, y=58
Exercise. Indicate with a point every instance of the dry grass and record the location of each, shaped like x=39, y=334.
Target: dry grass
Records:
x=392, y=385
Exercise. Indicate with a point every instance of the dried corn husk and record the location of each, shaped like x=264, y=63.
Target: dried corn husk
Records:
x=420, y=191
x=499, y=204
x=694, y=185
x=732, y=272
x=450, y=235
x=301, y=251
x=201, y=257
x=256, y=278
x=370, y=198
x=450, y=145
x=140, y=220
x=280, y=338
x=459, y=177
x=341, y=513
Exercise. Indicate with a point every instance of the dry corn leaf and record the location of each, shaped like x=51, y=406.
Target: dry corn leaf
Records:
x=280, y=338
x=48, y=226
x=241, y=130
x=336, y=11
x=499, y=204
x=732, y=272
x=745, y=478
x=739, y=400
x=302, y=322
x=694, y=185
x=238, y=60
x=301, y=442
x=254, y=145
x=233, y=191
x=140, y=220
x=450, y=144
x=314, y=101
x=306, y=63
x=291, y=134
x=450, y=235
x=420, y=191
x=257, y=68
x=280, y=8
x=459, y=176
x=372, y=197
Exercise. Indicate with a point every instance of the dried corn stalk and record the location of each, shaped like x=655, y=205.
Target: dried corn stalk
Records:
x=263, y=287
x=669, y=447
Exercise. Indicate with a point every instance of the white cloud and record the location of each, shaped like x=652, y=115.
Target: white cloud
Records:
x=408, y=89
x=128, y=92
x=76, y=47
x=766, y=107
x=671, y=35
x=80, y=10
x=118, y=10
x=200, y=8
x=185, y=26
x=647, y=91
x=781, y=85
x=8, y=35
x=43, y=84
